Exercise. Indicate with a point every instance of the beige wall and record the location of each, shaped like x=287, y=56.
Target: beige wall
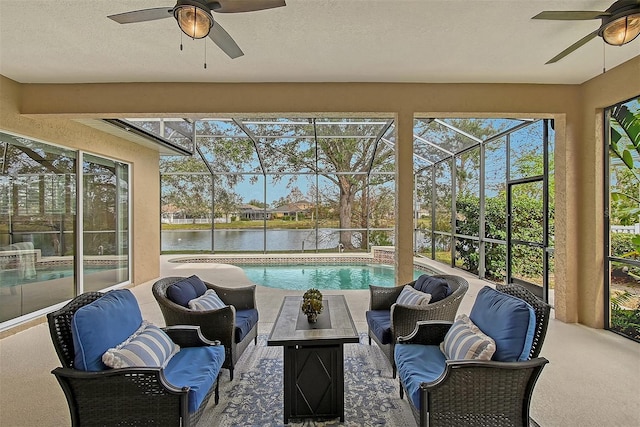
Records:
x=144, y=170
x=578, y=154
x=616, y=85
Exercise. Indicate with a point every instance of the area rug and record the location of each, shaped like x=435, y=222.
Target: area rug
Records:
x=255, y=396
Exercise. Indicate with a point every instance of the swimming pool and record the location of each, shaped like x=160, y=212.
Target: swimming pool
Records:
x=322, y=276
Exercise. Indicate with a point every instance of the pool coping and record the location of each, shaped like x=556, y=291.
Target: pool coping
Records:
x=384, y=255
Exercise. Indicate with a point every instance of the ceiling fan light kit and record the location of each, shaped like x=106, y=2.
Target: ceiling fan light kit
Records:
x=620, y=24
x=194, y=18
x=621, y=30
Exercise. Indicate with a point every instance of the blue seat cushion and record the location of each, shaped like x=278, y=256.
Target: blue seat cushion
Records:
x=436, y=286
x=379, y=322
x=418, y=364
x=510, y=321
x=245, y=321
x=101, y=325
x=196, y=368
x=185, y=290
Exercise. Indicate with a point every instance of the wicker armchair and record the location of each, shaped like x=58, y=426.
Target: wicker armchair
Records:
x=480, y=393
x=404, y=317
x=215, y=324
x=128, y=396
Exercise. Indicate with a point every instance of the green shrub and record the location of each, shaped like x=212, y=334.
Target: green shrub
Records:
x=527, y=224
x=379, y=238
x=624, y=243
x=623, y=320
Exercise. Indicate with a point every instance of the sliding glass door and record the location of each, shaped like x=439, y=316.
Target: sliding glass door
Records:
x=105, y=205
x=44, y=202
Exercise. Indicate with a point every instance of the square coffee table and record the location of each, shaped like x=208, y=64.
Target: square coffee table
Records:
x=313, y=357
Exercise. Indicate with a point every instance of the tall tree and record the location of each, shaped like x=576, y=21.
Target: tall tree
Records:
x=340, y=157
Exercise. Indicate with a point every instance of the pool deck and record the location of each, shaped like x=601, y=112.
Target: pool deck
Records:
x=591, y=379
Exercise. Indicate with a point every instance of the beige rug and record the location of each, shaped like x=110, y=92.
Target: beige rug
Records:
x=255, y=396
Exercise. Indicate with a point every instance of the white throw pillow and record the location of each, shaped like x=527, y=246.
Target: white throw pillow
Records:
x=149, y=346
x=465, y=341
x=411, y=296
x=209, y=301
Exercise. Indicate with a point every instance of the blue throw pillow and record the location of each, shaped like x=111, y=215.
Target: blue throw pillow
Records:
x=102, y=324
x=186, y=290
x=437, y=287
x=510, y=321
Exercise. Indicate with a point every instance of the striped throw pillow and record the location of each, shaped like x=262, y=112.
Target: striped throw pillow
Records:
x=149, y=346
x=209, y=301
x=466, y=341
x=410, y=296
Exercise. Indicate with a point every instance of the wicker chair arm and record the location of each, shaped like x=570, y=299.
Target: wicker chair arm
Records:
x=140, y=395
x=214, y=324
x=482, y=369
x=241, y=298
x=188, y=336
x=506, y=390
x=141, y=375
x=428, y=332
x=383, y=297
x=405, y=317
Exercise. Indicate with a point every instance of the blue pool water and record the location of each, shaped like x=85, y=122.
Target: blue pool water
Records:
x=303, y=277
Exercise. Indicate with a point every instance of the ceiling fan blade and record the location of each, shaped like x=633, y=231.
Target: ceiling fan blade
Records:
x=573, y=47
x=571, y=15
x=224, y=41
x=142, y=15
x=234, y=6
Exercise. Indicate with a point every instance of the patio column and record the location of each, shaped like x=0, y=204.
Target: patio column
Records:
x=404, y=197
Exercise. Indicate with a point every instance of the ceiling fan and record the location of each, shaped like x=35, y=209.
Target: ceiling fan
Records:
x=620, y=24
x=195, y=19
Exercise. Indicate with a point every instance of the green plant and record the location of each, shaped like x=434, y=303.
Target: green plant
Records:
x=379, y=238
x=624, y=320
x=312, y=302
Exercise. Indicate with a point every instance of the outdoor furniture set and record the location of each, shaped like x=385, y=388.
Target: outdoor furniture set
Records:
x=118, y=369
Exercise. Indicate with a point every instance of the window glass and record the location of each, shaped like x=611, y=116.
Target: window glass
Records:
x=37, y=222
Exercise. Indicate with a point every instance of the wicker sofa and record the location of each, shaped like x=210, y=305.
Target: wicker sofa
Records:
x=234, y=326
x=387, y=320
x=495, y=392
x=92, y=324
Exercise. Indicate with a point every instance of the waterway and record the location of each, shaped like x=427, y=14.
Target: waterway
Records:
x=249, y=240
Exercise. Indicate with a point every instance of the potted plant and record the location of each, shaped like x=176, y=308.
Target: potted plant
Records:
x=312, y=304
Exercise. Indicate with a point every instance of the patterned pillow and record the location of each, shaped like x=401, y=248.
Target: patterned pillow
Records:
x=409, y=296
x=149, y=346
x=466, y=341
x=209, y=301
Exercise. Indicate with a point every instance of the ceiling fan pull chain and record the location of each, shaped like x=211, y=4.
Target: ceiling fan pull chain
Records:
x=604, y=62
x=205, y=54
x=180, y=41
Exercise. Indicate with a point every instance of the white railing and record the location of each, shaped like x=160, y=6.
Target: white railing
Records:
x=629, y=229
x=187, y=221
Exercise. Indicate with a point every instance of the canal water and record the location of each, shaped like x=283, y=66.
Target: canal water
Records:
x=249, y=240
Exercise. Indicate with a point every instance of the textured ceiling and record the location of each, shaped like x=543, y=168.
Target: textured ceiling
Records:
x=437, y=41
